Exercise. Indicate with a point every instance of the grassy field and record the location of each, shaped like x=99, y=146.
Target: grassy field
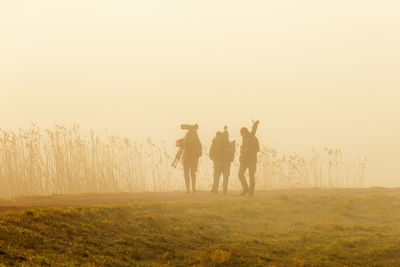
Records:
x=276, y=228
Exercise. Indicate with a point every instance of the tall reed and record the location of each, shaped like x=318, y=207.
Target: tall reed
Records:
x=63, y=160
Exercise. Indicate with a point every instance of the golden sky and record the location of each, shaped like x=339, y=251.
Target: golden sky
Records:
x=316, y=73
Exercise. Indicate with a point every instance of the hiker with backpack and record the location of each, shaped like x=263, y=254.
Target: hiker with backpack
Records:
x=222, y=153
x=248, y=158
x=190, y=150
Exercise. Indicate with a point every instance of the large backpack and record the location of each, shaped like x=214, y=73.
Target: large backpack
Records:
x=230, y=150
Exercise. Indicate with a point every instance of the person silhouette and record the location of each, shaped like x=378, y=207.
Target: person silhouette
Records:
x=248, y=158
x=191, y=152
x=222, y=153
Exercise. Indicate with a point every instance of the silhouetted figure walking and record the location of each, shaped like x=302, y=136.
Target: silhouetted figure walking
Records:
x=248, y=158
x=191, y=150
x=222, y=153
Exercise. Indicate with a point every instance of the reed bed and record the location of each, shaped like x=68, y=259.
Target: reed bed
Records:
x=63, y=160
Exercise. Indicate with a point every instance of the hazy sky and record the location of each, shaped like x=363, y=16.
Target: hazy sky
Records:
x=316, y=73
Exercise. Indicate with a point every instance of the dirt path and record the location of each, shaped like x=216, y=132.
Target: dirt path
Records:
x=81, y=200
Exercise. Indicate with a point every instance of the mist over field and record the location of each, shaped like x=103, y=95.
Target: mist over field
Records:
x=317, y=74
x=92, y=98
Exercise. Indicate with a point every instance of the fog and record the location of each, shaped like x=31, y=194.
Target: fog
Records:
x=316, y=74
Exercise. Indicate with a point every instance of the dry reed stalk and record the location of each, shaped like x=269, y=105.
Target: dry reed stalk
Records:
x=63, y=161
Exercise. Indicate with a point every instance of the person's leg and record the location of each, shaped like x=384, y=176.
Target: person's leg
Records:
x=242, y=178
x=193, y=177
x=193, y=171
x=217, y=175
x=187, y=177
x=252, y=177
x=226, y=172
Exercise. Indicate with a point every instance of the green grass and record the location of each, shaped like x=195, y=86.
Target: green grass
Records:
x=299, y=228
